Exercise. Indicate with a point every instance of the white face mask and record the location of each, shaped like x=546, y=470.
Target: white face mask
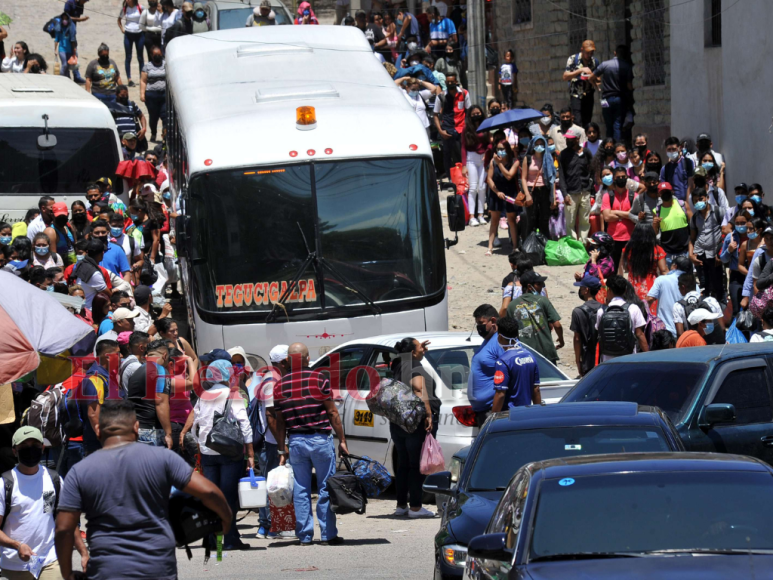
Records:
x=546, y=121
x=510, y=342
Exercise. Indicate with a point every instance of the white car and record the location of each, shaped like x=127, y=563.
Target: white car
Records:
x=447, y=362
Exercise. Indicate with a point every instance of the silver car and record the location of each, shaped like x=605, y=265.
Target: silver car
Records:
x=227, y=15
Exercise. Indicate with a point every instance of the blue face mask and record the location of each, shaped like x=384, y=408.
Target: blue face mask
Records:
x=5, y=240
x=607, y=180
x=50, y=288
x=79, y=257
x=750, y=212
x=709, y=328
x=167, y=195
x=524, y=141
x=134, y=217
x=708, y=166
x=752, y=235
x=501, y=152
x=551, y=148
x=756, y=198
x=740, y=229
x=41, y=251
x=739, y=199
x=672, y=155
x=539, y=149
x=414, y=94
x=399, y=23
x=19, y=264
x=116, y=232
x=684, y=151
x=700, y=205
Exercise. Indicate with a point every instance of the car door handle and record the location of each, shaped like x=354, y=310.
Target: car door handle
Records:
x=767, y=440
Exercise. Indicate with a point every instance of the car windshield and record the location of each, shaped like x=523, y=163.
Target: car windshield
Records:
x=237, y=17
x=453, y=366
x=373, y=223
x=503, y=453
x=644, y=512
x=79, y=157
x=669, y=386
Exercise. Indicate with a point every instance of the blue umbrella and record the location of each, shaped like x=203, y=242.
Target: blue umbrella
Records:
x=508, y=118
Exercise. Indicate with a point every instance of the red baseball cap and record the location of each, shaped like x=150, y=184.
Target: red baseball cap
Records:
x=60, y=208
x=665, y=185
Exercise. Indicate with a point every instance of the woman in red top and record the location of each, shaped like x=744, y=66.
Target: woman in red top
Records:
x=644, y=259
x=474, y=146
x=616, y=202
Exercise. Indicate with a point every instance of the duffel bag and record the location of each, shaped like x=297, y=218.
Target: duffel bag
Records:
x=373, y=476
x=397, y=402
x=346, y=492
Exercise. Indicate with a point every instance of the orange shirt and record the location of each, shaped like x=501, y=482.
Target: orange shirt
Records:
x=690, y=338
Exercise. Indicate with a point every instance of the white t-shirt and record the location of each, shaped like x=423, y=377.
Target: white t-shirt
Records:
x=637, y=321
x=92, y=286
x=267, y=400
x=143, y=321
x=167, y=20
x=712, y=303
x=126, y=244
x=36, y=226
x=763, y=336
x=31, y=519
x=131, y=18
x=13, y=65
x=419, y=104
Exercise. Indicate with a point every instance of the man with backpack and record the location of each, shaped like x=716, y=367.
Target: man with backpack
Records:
x=691, y=302
x=579, y=68
x=27, y=511
x=584, y=324
x=537, y=317
x=99, y=385
x=703, y=323
x=678, y=170
x=620, y=324
x=705, y=243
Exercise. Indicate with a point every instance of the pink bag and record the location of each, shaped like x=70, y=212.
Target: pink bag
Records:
x=432, y=459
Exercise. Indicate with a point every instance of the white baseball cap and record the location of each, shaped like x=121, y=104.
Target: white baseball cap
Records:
x=699, y=315
x=278, y=353
x=240, y=351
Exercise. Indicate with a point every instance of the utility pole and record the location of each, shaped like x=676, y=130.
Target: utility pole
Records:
x=476, y=55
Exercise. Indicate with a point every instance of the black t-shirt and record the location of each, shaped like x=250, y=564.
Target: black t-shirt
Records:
x=575, y=171
x=143, y=385
x=584, y=324
x=147, y=235
x=510, y=278
x=375, y=34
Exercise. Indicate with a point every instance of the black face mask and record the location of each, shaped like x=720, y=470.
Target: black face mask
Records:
x=652, y=189
x=642, y=149
x=30, y=456
x=621, y=181
x=609, y=151
x=482, y=330
x=157, y=59
x=103, y=240
x=565, y=125
x=667, y=195
x=495, y=111
x=699, y=181
x=652, y=167
x=477, y=118
x=79, y=218
x=104, y=60
x=123, y=100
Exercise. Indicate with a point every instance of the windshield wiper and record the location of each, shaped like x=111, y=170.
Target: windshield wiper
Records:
x=349, y=285
x=586, y=556
x=728, y=551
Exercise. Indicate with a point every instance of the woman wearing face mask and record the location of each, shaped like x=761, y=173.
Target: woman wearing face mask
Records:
x=616, y=207
x=138, y=212
x=150, y=24
x=715, y=173
x=557, y=225
x=644, y=259
x=418, y=92
x=129, y=23
x=653, y=163
x=474, y=145
x=103, y=76
x=733, y=255
x=621, y=159
x=153, y=89
x=637, y=165
x=592, y=133
x=754, y=231
x=80, y=220
x=169, y=15
x=63, y=234
x=756, y=195
x=43, y=256
x=6, y=234
x=538, y=180
x=503, y=183
x=605, y=157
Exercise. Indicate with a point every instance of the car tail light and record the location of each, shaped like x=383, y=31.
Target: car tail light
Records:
x=465, y=415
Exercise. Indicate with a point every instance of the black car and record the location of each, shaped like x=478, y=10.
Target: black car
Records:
x=720, y=398
x=633, y=516
x=510, y=440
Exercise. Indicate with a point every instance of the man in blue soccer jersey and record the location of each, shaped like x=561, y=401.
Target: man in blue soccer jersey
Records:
x=516, y=375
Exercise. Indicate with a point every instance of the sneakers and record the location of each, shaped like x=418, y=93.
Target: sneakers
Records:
x=131, y=83
x=264, y=534
x=482, y=220
x=337, y=541
x=503, y=224
x=238, y=545
x=473, y=222
x=422, y=513
x=401, y=511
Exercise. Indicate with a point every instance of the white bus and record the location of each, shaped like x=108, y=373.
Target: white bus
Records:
x=54, y=139
x=298, y=159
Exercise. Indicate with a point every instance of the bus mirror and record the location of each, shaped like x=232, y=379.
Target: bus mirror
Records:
x=47, y=141
x=455, y=207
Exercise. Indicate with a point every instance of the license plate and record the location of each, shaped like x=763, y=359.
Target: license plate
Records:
x=363, y=419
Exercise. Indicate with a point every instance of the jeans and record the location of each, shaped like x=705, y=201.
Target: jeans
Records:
x=507, y=95
x=582, y=109
x=130, y=39
x=267, y=460
x=539, y=211
x=408, y=477
x=307, y=452
x=72, y=455
x=156, y=103
x=107, y=99
x=613, y=118
x=476, y=177
x=452, y=152
x=578, y=211
x=617, y=252
x=225, y=474
x=152, y=437
x=64, y=68
x=736, y=288
x=710, y=278
x=670, y=258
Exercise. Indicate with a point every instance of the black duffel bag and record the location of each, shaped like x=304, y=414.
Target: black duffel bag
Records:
x=346, y=492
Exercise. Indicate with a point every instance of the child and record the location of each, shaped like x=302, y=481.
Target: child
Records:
x=767, y=327
x=508, y=79
x=593, y=142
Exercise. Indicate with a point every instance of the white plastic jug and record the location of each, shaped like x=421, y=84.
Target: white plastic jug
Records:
x=252, y=492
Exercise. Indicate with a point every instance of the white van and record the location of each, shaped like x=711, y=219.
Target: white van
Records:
x=54, y=139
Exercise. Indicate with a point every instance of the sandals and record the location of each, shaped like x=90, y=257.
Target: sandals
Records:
x=488, y=253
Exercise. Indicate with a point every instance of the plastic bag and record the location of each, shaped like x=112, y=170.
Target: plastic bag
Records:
x=397, y=402
x=733, y=335
x=432, y=459
x=744, y=321
x=565, y=252
x=279, y=485
x=534, y=246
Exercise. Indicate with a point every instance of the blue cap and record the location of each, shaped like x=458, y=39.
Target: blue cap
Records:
x=589, y=282
x=216, y=354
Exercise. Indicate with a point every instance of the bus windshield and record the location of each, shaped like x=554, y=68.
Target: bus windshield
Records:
x=79, y=157
x=373, y=225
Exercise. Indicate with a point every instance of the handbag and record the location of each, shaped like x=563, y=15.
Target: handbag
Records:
x=191, y=521
x=373, y=476
x=345, y=490
x=226, y=436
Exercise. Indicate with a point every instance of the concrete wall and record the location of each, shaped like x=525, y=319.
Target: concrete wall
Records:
x=542, y=48
x=727, y=90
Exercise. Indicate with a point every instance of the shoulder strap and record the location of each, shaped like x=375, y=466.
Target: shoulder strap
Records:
x=57, y=485
x=8, y=484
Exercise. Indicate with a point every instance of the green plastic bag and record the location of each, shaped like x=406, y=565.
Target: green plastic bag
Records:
x=565, y=252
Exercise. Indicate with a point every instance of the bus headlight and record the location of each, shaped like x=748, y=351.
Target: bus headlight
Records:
x=455, y=555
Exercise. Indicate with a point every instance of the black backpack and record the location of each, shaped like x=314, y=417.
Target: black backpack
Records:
x=615, y=334
x=590, y=341
x=50, y=27
x=611, y=195
x=8, y=485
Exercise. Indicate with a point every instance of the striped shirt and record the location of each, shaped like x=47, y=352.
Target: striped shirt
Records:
x=300, y=397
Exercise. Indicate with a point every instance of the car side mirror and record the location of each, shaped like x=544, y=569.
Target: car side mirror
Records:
x=716, y=413
x=490, y=547
x=438, y=483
